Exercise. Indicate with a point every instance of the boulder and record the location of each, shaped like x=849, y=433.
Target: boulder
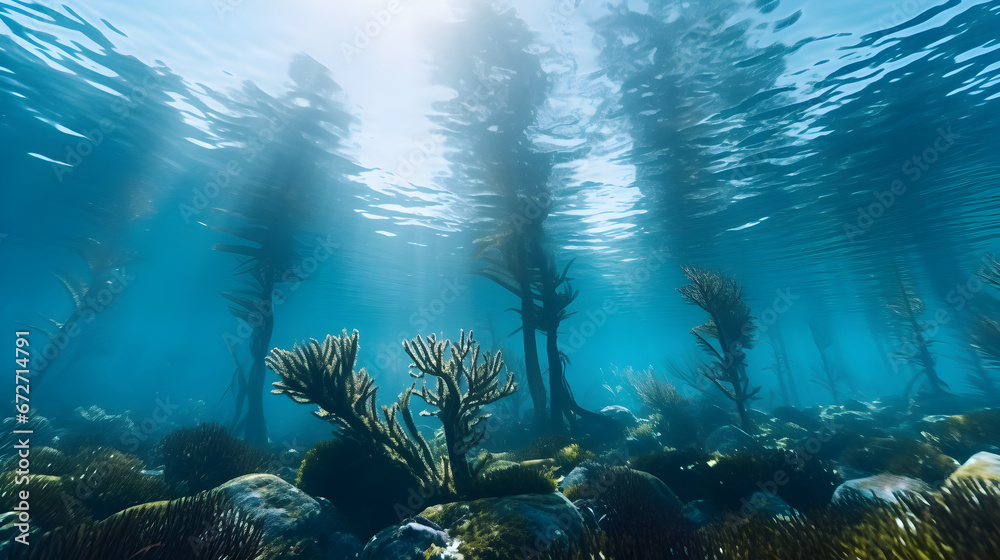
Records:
x=855, y=405
x=510, y=527
x=623, y=415
x=804, y=418
x=579, y=474
x=309, y=528
x=983, y=465
x=729, y=439
x=881, y=486
x=409, y=540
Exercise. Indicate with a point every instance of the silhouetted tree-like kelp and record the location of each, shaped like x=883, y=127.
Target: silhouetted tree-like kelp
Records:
x=906, y=308
x=272, y=206
x=487, y=58
x=83, y=125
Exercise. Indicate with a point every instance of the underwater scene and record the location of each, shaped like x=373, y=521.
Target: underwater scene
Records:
x=492, y=280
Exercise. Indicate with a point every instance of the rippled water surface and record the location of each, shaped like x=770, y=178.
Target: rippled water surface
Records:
x=804, y=146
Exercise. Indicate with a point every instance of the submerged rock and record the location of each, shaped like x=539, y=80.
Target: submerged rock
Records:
x=850, y=421
x=308, y=528
x=699, y=512
x=729, y=439
x=900, y=456
x=510, y=527
x=580, y=474
x=623, y=415
x=881, y=486
x=804, y=418
x=855, y=405
x=409, y=540
x=982, y=465
x=962, y=435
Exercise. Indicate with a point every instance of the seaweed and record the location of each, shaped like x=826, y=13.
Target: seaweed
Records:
x=201, y=526
x=203, y=457
x=459, y=411
x=368, y=490
x=732, y=328
x=322, y=373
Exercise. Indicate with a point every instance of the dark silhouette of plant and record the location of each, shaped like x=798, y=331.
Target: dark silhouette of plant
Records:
x=507, y=258
x=105, y=265
x=490, y=126
x=273, y=208
x=782, y=368
x=731, y=327
x=827, y=377
x=906, y=308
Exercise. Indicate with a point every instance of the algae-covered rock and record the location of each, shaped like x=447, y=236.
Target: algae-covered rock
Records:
x=964, y=434
x=509, y=527
x=852, y=421
x=982, y=465
x=805, y=418
x=623, y=415
x=409, y=540
x=899, y=456
x=292, y=521
x=204, y=526
x=729, y=439
x=882, y=486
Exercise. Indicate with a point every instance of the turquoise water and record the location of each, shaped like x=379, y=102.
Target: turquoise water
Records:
x=187, y=187
x=803, y=147
x=756, y=138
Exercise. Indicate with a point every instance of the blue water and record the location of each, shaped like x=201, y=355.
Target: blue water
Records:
x=764, y=138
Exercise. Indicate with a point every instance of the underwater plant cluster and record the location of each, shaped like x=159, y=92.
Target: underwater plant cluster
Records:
x=438, y=231
x=856, y=480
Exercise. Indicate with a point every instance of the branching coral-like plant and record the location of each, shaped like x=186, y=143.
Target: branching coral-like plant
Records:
x=732, y=327
x=322, y=373
x=464, y=426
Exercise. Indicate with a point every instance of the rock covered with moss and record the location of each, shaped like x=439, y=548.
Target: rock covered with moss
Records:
x=417, y=538
x=525, y=526
x=982, y=465
x=294, y=525
x=899, y=456
x=963, y=435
